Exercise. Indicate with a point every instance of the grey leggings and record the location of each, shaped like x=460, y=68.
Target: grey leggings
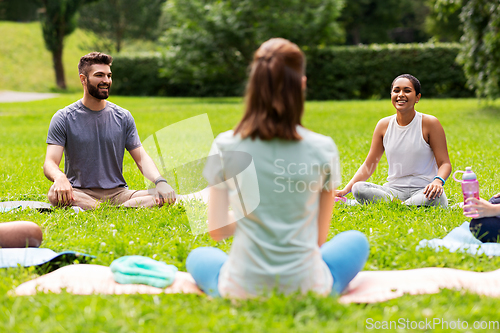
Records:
x=367, y=192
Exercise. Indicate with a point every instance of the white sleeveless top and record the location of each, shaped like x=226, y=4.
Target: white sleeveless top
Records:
x=411, y=160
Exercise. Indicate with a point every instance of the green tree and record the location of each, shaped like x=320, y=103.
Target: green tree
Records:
x=384, y=21
x=480, y=53
x=443, y=21
x=58, y=20
x=118, y=20
x=206, y=39
x=19, y=10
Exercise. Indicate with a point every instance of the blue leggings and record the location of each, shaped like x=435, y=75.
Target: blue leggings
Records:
x=345, y=255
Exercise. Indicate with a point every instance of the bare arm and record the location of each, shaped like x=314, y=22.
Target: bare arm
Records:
x=221, y=223
x=145, y=163
x=481, y=208
x=326, y=201
x=436, y=138
x=164, y=192
x=371, y=162
x=62, y=187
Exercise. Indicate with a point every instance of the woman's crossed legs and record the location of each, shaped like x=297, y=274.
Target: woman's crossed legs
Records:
x=345, y=255
x=365, y=192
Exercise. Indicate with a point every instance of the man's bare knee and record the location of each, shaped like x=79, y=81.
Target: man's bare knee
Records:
x=20, y=234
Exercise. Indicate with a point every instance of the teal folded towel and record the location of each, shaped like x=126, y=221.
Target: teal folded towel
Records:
x=143, y=270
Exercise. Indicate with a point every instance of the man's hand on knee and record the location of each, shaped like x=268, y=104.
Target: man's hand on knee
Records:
x=61, y=192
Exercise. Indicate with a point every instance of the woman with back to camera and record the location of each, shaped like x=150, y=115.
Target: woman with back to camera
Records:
x=415, y=146
x=281, y=244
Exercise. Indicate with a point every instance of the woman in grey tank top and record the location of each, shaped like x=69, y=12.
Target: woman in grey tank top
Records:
x=416, y=150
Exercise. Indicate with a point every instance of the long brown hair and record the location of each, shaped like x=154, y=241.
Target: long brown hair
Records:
x=274, y=96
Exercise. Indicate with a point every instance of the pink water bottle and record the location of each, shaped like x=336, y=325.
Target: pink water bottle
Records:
x=470, y=188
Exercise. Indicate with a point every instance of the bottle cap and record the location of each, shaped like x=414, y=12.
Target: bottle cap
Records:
x=469, y=174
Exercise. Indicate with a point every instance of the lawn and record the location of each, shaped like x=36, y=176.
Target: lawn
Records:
x=393, y=230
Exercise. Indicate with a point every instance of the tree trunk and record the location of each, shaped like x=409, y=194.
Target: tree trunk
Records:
x=356, y=39
x=118, y=44
x=59, y=68
x=120, y=30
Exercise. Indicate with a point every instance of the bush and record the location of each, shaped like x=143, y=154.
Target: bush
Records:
x=363, y=72
x=349, y=72
x=142, y=74
x=138, y=75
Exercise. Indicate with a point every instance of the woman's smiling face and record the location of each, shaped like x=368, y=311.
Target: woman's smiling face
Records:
x=403, y=95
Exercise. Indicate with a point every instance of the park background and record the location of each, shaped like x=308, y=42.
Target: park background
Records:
x=178, y=59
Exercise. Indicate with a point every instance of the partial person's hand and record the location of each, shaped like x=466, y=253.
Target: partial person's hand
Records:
x=496, y=195
x=480, y=208
x=341, y=193
x=434, y=190
x=63, y=190
x=164, y=194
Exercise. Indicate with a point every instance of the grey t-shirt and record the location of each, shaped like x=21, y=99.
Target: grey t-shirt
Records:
x=94, y=143
x=276, y=244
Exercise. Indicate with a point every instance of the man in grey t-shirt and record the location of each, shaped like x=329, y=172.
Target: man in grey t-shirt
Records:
x=93, y=134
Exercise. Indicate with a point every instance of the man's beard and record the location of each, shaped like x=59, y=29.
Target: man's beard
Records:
x=95, y=92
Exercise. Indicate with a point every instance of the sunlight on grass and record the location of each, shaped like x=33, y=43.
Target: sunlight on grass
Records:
x=165, y=233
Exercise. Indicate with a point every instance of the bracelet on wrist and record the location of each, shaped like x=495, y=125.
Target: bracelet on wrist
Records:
x=441, y=179
x=159, y=180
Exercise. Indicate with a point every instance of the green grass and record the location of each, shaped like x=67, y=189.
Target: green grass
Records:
x=108, y=233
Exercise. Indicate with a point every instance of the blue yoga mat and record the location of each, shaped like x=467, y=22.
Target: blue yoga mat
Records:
x=30, y=256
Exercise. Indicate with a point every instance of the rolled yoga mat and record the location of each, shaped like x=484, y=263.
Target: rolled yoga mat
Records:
x=44, y=258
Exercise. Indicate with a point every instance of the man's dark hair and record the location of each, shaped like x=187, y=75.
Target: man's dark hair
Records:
x=413, y=80
x=93, y=58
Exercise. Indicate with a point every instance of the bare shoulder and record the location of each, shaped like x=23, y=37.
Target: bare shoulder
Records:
x=430, y=121
x=431, y=128
x=382, y=126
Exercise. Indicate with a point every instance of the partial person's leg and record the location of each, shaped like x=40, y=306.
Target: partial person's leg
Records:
x=494, y=200
x=82, y=199
x=140, y=199
x=204, y=264
x=20, y=234
x=418, y=198
x=486, y=229
x=365, y=192
x=345, y=255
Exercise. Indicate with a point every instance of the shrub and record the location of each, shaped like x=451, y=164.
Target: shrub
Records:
x=138, y=75
x=348, y=72
x=142, y=74
x=363, y=72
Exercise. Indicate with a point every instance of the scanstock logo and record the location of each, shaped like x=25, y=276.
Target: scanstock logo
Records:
x=185, y=154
